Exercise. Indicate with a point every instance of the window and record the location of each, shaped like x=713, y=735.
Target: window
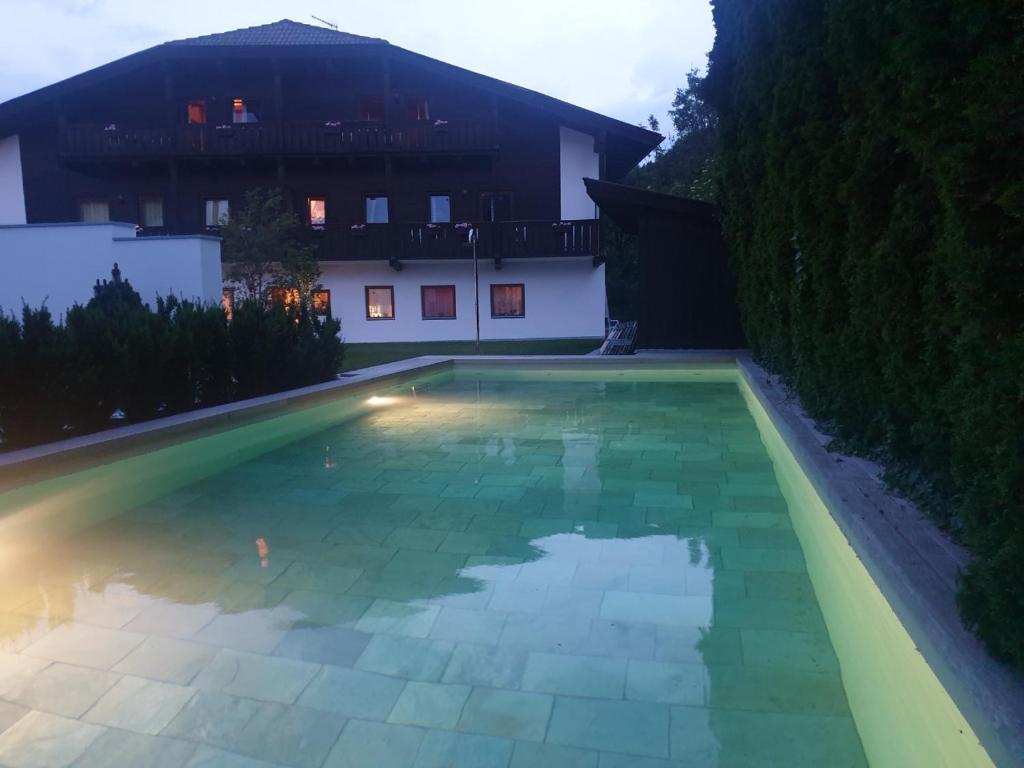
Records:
x=322, y=303
x=94, y=209
x=216, y=213
x=317, y=212
x=197, y=112
x=151, y=210
x=370, y=108
x=416, y=109
x=376, y=209
x=438, y=302
x=496, y=206
x=286, y=297
x=380, y=302
x=440, y=209
x=508, y=300
x=227, y=300
x=244, y=111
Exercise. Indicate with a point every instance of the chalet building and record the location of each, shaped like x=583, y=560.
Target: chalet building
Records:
x=389, y=158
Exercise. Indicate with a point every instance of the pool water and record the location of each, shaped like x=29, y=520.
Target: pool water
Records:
x=492, y=569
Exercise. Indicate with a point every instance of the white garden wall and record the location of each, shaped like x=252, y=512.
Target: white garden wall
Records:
x=59, y=264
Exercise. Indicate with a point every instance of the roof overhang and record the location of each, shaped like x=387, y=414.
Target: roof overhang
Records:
x=627, y=205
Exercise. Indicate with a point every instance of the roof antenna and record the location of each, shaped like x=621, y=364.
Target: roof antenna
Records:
x=326, y=23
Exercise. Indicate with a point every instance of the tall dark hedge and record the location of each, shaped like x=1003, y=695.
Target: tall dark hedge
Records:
x=872, y=181
x=114, y=355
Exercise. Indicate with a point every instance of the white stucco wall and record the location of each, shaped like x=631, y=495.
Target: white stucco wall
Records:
x=12, y=188
x=60, y=263
x=577, y=160
x=564, y=298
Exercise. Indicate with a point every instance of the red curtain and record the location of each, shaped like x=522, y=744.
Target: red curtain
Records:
x=438, y=302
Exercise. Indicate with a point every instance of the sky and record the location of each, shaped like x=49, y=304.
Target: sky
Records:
x=623, y=58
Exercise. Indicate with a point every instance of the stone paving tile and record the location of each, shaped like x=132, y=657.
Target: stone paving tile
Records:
x=380, y=745
x=508, y=714
x=116, y=747
x=41, y=740
x=445, y=749
x=323, y=644
x=571, y=675
x=432, y=705
x=530, y=755
x=352, y=693
x=636, y=728
x=140, y=705
x=407, y=657
x=61, y=689
x=10, y=714
x=255, y=676
x=85, y=645
x=166, y=659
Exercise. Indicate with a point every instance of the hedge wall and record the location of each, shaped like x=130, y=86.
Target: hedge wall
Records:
x=872, y=181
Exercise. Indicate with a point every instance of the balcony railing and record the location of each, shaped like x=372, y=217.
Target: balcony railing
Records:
x=495, y=240
x=298, y=138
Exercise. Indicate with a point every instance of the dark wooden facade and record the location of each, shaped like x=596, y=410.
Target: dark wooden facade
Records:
x=687, y=291
x=338, y=119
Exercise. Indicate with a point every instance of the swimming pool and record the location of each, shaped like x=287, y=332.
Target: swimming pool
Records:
x=477, y=567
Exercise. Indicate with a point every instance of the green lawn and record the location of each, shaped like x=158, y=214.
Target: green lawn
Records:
x=365, y=355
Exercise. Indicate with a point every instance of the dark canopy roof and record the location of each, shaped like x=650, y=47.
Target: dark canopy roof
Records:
x=627, y=144
x=625, y=204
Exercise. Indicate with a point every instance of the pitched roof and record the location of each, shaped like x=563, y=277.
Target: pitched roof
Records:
x=283, y=32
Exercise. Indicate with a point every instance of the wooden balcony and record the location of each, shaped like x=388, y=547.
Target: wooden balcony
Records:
x=290, y=138
x=495, y=240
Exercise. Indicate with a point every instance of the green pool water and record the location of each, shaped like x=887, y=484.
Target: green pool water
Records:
x=479, y=568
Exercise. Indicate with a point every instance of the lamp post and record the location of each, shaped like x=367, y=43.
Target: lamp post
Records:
x=473, y=237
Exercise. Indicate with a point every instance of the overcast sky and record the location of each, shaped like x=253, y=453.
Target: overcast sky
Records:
x=620, y=57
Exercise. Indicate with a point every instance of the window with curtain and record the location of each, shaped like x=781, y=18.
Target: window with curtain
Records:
x=376, y=209
x=438, y=302
x=197, y=112
x=380, y=302
x=370, y=108
x=227, y=300
x=244, y=111
x=152, y=210
x=317, y=212
x=440, y=209
x=508, y=300
x=216, y=213
x=94, y=209
x=416, y=109
x=496, y=206
x=322, y=303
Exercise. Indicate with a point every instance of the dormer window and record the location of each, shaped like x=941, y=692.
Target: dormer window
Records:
x=244, y=111
x=371, y=108
x=197, y=112
x=416, y=109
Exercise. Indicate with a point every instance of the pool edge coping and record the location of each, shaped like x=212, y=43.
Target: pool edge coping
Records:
x=920, y=591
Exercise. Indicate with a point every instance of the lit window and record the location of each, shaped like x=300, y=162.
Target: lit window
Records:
x=227, y=300
x=438, y=302
x=286, y=297
x=416, y=109
x=151, y=210
x=197, y=112
x=440, y=209
x=496, y=206
x=380, y=302
x=317, y=212
x=371, y=108
x=216, y=213
x=243, y=111
x=322, y=303
x=508, y=300
x=94, y=210
x=376, y=209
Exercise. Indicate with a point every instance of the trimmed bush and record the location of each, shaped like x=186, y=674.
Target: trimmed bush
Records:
x=872, y=177
x=114, y=355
